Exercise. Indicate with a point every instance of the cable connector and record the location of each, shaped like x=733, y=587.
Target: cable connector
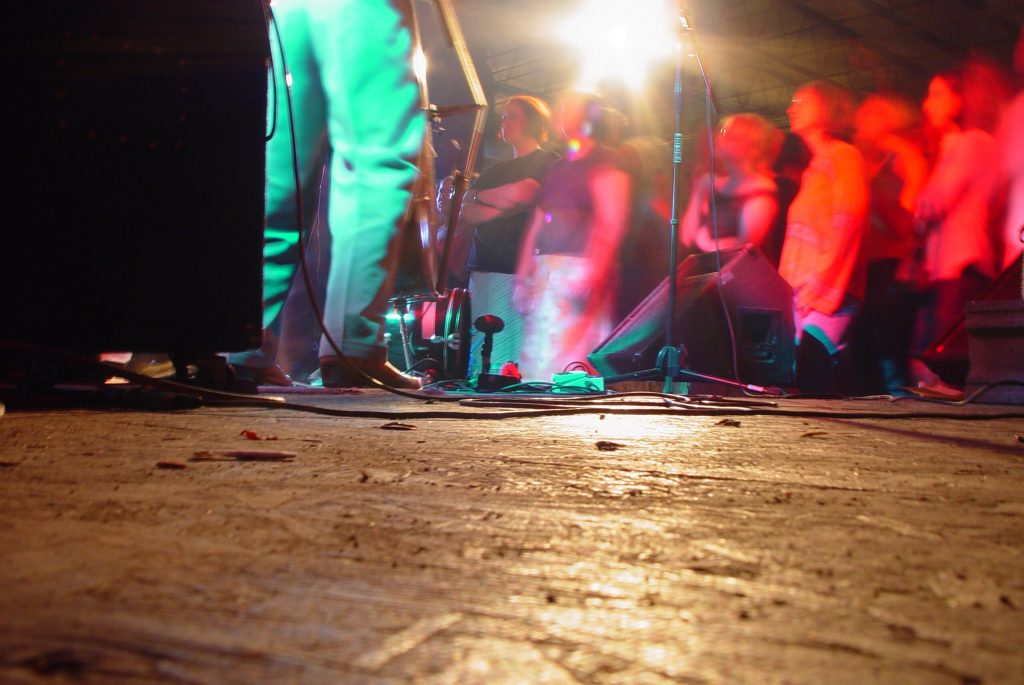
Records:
x=576, y=381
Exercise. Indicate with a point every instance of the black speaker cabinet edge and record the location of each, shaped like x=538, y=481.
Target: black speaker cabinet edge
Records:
x=134, y=143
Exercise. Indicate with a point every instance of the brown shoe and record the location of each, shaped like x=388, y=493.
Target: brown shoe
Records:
x=264, y=375
x=335, y=373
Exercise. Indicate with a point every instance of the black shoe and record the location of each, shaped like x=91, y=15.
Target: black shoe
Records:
x=815, y=367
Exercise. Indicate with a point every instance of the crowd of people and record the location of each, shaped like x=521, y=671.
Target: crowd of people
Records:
x=884, y=216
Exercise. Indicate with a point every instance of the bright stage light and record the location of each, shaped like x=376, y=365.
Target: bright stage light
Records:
x=620, y=39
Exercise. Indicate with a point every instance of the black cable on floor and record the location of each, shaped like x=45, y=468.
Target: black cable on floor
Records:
x=508, y=407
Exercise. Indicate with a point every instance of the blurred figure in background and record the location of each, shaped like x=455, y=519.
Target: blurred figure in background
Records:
x=495, y=212
x=821, y=255
x=794, y=156
x=747, y=203
x=1011, y=142
x=643, y=256
x=954, y=211
x=565, y=278
x=897, y=170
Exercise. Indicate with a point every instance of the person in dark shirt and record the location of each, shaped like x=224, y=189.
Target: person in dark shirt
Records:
x=566, y=275
x=495, y=212
x=746, y=194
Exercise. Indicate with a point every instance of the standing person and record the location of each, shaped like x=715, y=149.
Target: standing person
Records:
x=789, y=168
x=954, y=210
x=354, y=93
x=1011, y=142
x=897, y=170
x=495, y=211
x=565, y=278
x=821, y=256
x=641, y=264
x=746, y=196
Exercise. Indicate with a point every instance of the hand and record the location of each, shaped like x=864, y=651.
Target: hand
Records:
x=927, y=211
x=522, y=296
x=444, y=197
x=801, y=301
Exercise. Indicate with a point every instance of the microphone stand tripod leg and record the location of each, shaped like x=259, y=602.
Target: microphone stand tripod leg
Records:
x=668, y=362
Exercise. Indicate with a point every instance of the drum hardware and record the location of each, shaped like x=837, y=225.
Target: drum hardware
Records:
x=401, y=306
x=456, y=39
x=448, y=341
x=433, y=333
x=451, y=347
x=488, y=324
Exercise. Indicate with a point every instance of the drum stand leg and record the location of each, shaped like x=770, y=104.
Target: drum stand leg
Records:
x=401, y=308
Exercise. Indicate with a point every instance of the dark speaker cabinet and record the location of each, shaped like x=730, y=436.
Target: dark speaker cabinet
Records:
x=134, y=146
x=748, y=291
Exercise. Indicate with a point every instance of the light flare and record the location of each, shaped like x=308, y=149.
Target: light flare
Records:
x=619, y=40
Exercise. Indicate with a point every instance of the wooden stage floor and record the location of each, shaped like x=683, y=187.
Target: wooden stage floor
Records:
x=810, y=542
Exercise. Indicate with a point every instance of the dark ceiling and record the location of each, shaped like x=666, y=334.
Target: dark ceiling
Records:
x=756, y=51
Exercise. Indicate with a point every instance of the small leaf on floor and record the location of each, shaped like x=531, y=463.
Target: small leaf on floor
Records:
x=398, y=426
x=253, y=435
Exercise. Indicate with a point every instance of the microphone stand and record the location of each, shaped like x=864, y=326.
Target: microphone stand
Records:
x=669, y=360
x=668, y=357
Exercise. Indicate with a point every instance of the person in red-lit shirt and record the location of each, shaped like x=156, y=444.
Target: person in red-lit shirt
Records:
x=954, y=211
x=566, y=275
x=897, y=169
x=821, y=255
x=1011, y=141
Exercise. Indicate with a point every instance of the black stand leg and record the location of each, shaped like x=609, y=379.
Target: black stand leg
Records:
x=488, y=324
x=672, y=357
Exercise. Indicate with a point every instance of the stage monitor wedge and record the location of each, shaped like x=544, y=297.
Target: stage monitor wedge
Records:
x=947, y=355
x=758, y=300
x=134, y=140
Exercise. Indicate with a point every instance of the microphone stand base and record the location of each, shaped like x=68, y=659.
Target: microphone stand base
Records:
x=492, y=382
